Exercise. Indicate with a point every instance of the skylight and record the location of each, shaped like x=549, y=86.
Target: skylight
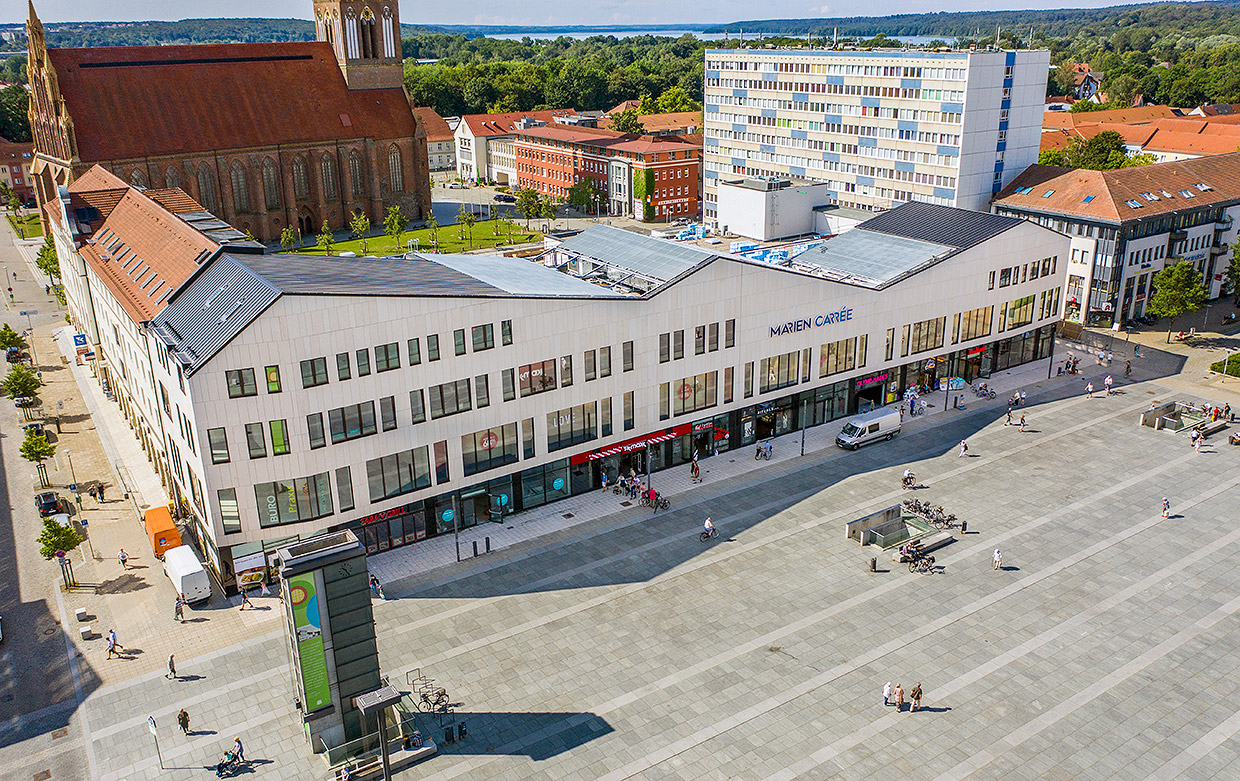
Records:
x=1134, y=203
x=1166, y=194
x=1149, y=196
x=1088, y=198
x=1188, y=194
x=1048, y=193
x=1204, y=187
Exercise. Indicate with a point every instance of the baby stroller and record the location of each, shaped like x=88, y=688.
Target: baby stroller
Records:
x=227, y=765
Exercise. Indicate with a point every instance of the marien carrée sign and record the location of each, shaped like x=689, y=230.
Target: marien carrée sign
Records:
x=827, y=318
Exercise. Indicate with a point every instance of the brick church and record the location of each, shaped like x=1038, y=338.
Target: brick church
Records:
x=264, y=135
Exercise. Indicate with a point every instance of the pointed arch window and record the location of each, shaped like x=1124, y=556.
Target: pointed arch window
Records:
x=301, y=182
x=355, y=175
x=396, y=172
x=206, y=188
x=241, y=192
x=271, y=184
x=327, y=167
x=172, y=178
x=137, y=178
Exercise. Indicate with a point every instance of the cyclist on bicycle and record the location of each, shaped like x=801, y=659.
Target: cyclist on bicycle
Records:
x=908, y=479
x=707, y=526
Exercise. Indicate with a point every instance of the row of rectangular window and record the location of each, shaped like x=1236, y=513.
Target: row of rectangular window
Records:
x=1026, y=272
x=705, y=339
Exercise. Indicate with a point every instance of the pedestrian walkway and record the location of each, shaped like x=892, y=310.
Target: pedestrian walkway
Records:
x=563, y=521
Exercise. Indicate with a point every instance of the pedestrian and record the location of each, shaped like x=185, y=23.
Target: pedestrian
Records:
x=1090, y=390
x=245, y=600
x=1107, y=383
x=604, y=482
x=899, y=698
x=1022, y=398
x=1227, y=412
x=262, y=588
x=1110, y=357
x=93, y=493
x=997, y=559
x=887, y=694
x=915, y=696
x=178, y=610
x=1101, y=357
x=1009, y=417
x=374, y=584
x=100, y=492
x=1135, y=352
x=963, y=448
x=183, y=721
x=172, y=667
x=112, y=642
x=1127, y=369
x=1197, y=444
x=964, y=527
x=1166, y=508
x=238, y=749
x=1022, y=424
x=123, y=558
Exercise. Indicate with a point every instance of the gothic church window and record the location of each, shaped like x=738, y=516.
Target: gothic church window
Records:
x=271, y=184
x=328, y=169
x=206, y=188
x=301, y=182
x=355, y=175
x=137, y=178
x=172, y=178
x=396, y=174
x=241, y=192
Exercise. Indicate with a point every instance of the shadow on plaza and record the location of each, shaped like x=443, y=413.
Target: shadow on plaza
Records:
x=655, y=543
x=36, y=681
x=537, y=735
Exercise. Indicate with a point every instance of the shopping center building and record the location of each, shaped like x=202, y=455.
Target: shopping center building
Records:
x=403, y=396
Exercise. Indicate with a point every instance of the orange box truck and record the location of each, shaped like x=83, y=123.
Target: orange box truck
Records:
x=160, y=530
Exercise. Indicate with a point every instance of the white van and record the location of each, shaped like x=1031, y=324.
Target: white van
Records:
x=882, y=423
x=182, y=567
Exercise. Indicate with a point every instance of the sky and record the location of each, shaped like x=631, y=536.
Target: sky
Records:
x=511, y=12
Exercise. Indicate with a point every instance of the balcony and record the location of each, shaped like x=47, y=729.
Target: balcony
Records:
x=1179, y=235
x=1219, y=249
x=1223, y=223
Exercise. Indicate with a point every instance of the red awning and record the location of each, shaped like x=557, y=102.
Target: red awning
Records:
x=628, y=446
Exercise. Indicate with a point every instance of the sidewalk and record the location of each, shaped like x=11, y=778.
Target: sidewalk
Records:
x=410, y=561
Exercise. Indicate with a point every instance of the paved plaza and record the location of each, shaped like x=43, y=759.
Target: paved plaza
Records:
x=1106, y=647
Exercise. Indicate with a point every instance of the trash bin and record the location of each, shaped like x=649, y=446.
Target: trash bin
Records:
x=460, y=731
x=448, y=736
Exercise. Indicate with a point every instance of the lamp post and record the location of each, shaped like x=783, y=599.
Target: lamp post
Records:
x=804, y=425
x=456, y=525
x=33, y=355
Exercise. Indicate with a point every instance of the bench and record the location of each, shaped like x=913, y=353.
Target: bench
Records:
x=361, y=768
x=930, y=543
x=1207, y=427
x=86, y=632
x=81, y=614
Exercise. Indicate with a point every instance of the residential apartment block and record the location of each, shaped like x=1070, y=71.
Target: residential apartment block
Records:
x=1127, y=225
x=484, y=151
x=15, y=160
x=881, y=127
x=440, y=142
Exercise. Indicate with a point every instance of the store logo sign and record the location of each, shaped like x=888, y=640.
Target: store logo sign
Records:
x=827, y=318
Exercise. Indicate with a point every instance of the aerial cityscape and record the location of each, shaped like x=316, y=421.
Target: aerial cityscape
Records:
x=611, y=392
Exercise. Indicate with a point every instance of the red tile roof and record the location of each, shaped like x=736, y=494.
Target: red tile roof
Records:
x=434, y=125
x=1192, y=143
x=661, y=123
x=608, y=139
x=143, y=252
x=137, y=101
x=14, y=153
x=1111, y=190
x=1121, y=116
x=502, y=124
x=625, y=105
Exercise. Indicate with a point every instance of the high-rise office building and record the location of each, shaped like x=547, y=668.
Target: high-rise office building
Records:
x=880, y=127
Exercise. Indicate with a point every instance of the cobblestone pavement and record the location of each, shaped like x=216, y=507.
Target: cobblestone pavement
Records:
x=1104, y=648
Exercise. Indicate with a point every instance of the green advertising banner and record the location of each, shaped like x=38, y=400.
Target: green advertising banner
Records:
x=310, y=654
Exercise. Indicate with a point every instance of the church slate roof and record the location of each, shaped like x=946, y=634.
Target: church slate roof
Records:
x=145, y=101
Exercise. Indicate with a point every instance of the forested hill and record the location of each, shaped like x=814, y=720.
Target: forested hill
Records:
x=1205, y=18
x=74, y=34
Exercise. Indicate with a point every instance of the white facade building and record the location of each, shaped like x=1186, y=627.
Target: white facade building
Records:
x=400, y=396
x=769, y=209
x=880, y=127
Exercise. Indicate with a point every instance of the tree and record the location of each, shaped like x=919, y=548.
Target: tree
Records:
x=547, y=209
x=57, y=536
x=467, y=218
x=394, y=224
x=1177, y=290
x=326, y=239
x=359, y=224
x=528, y=205
x=1051, y=157
x=19, y=382
x=648, y=105
x=10, y=338
x=676, y=99
x=36, y=449
x=626, y=122
x=583, y=195
x=47, y=261
x=1232, y=273
x=14, y=123
x=288, y=237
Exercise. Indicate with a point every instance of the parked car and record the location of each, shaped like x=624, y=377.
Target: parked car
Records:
x=455, y=186
x=26, y=401
x=48, y=503
x=505, y=198
x=14, y=355
x=36, y=428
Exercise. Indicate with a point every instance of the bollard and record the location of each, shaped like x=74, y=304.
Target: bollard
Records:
x=475, y=549
x=488, y=544
x=964, y=527
x=448, y=736
x=460, y=731
x=874, y=564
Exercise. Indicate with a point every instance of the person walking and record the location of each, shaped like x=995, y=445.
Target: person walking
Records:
x=113, y=646
x=1197, y=443
x=1089, y=389
x=92, y=492
x=123, y=558
x=178, y=610
x=172, y=667
x=997, y=559
x=1166, y=508
x=238, y=749
x=183, y=721
x=1022, y=398
x=964, y=448
x=604, y=482
x=1227, y=412
x=100, y=490
x=899, y=698
x=1009, y=417
x=1110, y=358
x=1022, y=424
x=915, y=696
x=887, y=694
x=245, y=600
x=1127, y=369
x=1107, y=383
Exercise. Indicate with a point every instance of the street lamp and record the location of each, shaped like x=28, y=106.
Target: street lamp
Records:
x=33, y=355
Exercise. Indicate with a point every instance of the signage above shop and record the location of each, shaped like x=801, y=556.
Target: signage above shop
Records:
x=828, y=318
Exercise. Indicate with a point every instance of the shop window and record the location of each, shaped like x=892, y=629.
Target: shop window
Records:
x=604, y=362
x=566, y=371
x=352, y=422
x=458, y=341
x=415, y=352
x=279, y=437
x=591, y=365
x=313, y=372
x=536, y=378
x=441, y=462
x=505, y=332
x=527, y=438
x=749, y=379
x=387, y=412
x=729, y=333
x=241, y=383
x=230, y=514
x=273, y=379
x=626, y=352
x=294, y=501
x=696, y=393
x=344, y=367
x=712, y=338
x=665, y=347
x=572, y=426
x=398, y=474
x=344, y=488
x=449, y=398
x=507, y=380
x=482, y=391
x=217, y=440
x=314, y=427
x=604, y=415
x=665, y=410
x=699, y=340
x=363, y=362
x=778, y=371
x=432, y=347
x=678, y=345
x=629, y=423
x=255, y=441
x=387, y=357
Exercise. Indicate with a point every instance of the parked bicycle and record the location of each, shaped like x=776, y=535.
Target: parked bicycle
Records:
x=433, y=700
x=921, y=564
x=982, y=390
x=658, y=503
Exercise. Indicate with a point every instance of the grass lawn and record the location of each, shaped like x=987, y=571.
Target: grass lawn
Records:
x=28, y=226
x=1231, y=364
x=452, y=239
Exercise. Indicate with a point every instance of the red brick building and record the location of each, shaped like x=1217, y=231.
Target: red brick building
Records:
x=15, y=160
x=653, y=178
x=263, y=135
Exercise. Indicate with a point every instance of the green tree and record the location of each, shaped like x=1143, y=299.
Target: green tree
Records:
x=14, y=124
x=47, y=261
x=528, y=205
x=1142, y=158
x=467, y=218
x=547, y=209
x=1232, y=274
x=288, y=237
x=626, y=122
x=20, y=381
x=648, y=105
x=432, y=225
x=10, y=338
x=1177, y=291
x=394, y=225
x=583, y=195
x=36, y=449
x=359, y=224
x=1051, y=157
x=326, y=239
x=57, y=536
x=676, y=99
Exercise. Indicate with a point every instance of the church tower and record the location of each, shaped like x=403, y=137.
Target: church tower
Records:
x=365, y=35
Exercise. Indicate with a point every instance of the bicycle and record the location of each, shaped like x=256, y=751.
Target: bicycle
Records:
x=921, y=564
x=430, y=701
x=706, y=535
x=659, y=503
